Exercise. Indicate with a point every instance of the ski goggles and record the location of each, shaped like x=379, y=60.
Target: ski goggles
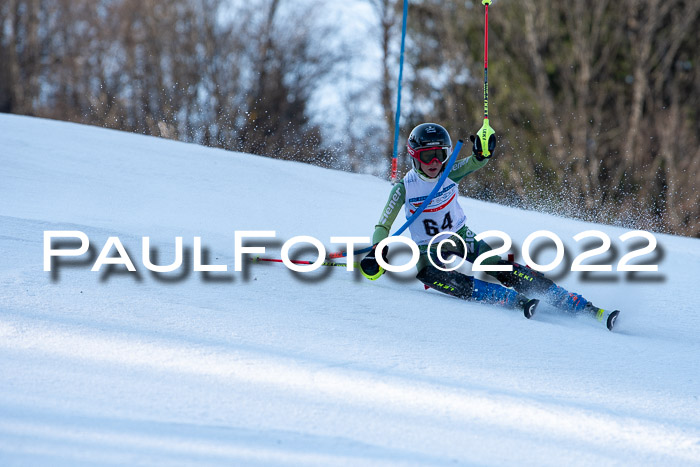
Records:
x=428, y=155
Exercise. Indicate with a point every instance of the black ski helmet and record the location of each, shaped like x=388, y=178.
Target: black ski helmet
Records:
x=427, y=135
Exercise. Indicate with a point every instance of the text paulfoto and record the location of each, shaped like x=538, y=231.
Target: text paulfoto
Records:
x=444, y=250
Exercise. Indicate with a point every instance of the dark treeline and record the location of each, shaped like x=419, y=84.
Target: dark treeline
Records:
x=595, y=103
x=215, y=72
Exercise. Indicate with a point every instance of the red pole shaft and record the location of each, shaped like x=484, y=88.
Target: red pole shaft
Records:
x=486, y=62
x=274, y=260
x=486, y=40
x=277, y=260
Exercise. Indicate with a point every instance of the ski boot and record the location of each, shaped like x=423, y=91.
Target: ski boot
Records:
x=528, y=305
x=494, y=293
x=600, y=314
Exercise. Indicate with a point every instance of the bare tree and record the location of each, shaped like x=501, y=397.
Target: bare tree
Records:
x=389, y=15
x=19, y=50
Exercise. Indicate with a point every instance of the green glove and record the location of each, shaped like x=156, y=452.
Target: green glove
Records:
x=477, y=150
x=369, y=266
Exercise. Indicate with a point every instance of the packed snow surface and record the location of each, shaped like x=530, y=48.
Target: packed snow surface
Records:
x=266, y=366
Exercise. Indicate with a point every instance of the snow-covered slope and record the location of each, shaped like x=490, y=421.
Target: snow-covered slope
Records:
x=267, y=366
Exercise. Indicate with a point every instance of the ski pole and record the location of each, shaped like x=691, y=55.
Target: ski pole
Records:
x=394, y=157
x=277, y=260
x=486, y=131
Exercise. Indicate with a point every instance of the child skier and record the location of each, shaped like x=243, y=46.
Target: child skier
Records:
x=429, y=146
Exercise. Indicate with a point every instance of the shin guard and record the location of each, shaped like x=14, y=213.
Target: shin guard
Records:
x=523, y=279
x=452, y=283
